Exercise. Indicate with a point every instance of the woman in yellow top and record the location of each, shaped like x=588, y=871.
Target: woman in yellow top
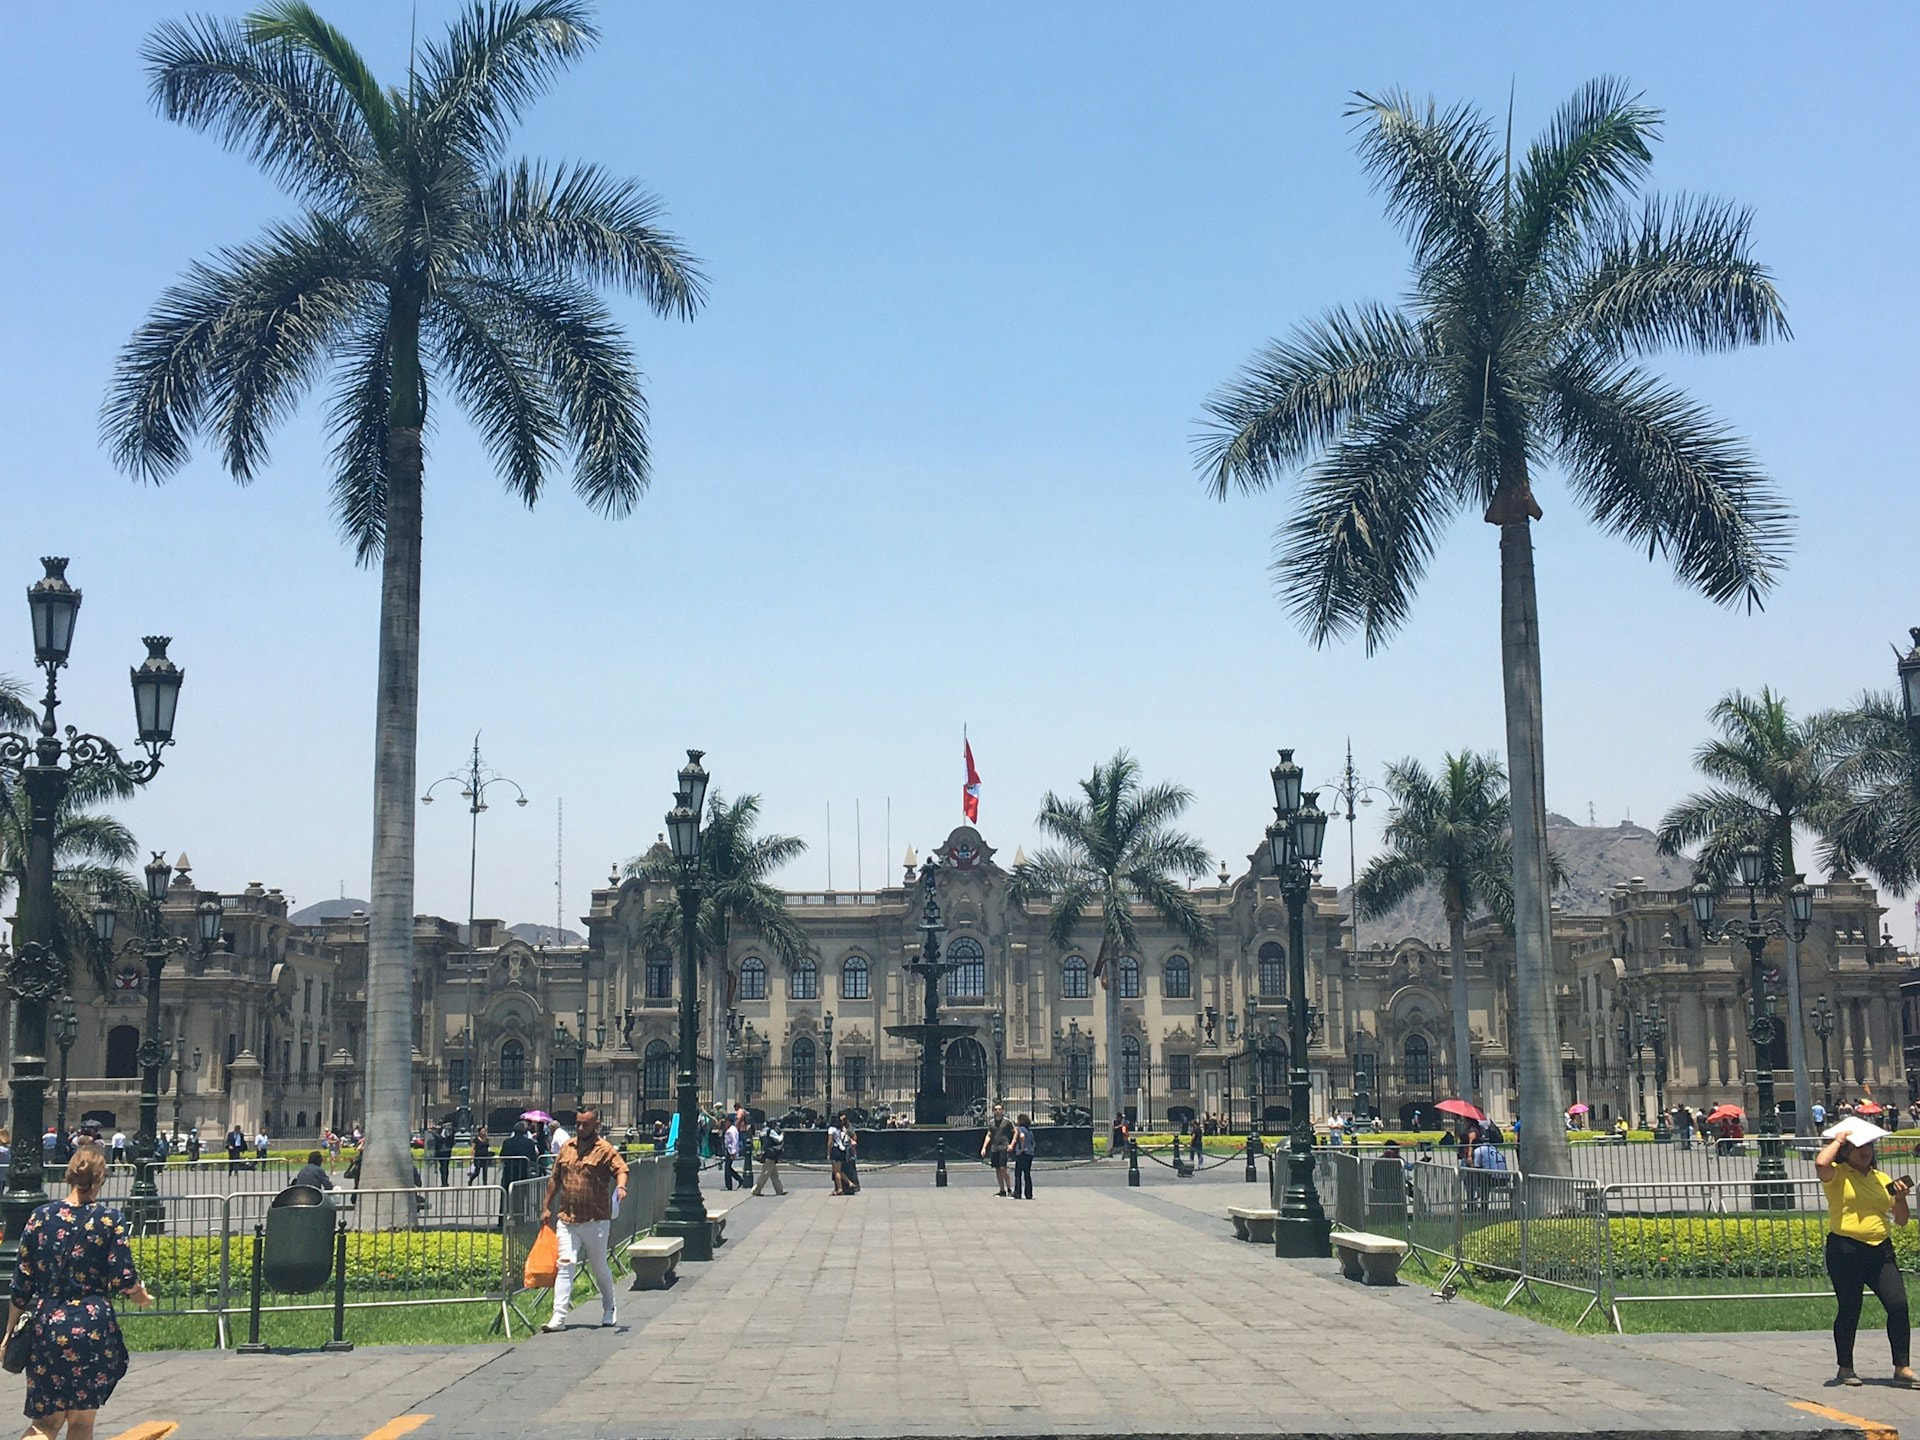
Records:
x=1861, y=1201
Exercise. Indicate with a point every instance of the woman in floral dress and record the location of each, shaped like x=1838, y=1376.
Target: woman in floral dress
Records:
x=73, y=1260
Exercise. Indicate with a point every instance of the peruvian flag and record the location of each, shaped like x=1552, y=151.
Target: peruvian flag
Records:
x=970, y=792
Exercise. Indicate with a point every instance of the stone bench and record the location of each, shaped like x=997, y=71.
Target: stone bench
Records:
x=1370, y=1259
x=1252, y=1224
x=718, y=1220
x=655, y=1261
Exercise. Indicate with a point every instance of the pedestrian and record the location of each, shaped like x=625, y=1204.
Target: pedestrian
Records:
x=236, y=1146
x=730, y=1146
x=837, y=1158
x=1117, y=1145
x=443, y=1151
x=850, y=1159
x=119, y=1147
x=193, y=1146
x=482, y=1158
x=1023, y=1148
x=519, y=1155
x=73, y=1260
x=659, y=1136
x=1861, y=1201
x=260, y=1144
x=589, y=1183
x=997, y=1146
x=1199, y=1142
x=314, y=1172
x=1683, y=1125
x=773, y=1149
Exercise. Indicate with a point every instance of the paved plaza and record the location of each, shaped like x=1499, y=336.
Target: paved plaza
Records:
x=1094, y=1310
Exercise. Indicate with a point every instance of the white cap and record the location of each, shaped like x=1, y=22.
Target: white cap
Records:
x=1855, y=1131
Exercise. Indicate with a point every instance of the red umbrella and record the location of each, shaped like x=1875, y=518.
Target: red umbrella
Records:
x=1868, y=1107
x=1726, y=1112
x=1462, y=1109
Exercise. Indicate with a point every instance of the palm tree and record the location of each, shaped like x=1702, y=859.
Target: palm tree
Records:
x=736, y=894
x=1537, y=287
x=1771, y=774
x=1115, y=850
x=1448, y=832
x=420, y=254
x=1874, y=822
x=90, y=849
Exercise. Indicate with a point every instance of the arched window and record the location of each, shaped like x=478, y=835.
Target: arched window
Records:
x=1273, y=1067
x=1073, y=978
x=1419, y=1061
x=803, y=1066
x=969, y=981
x=753, y=978
x=1129, y=978
x=1273, y=972
x=1176, y=980
x=300, y=1121
x=513, y=1066
x=853, y=978
x=804, y=982
x=657, y=1077
x=123, y=1052
x=659, y=973
x=1129, y=1063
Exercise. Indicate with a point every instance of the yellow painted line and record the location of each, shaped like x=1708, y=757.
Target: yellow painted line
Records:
x=394, y=1429
x=149, y=1430
x=1872, y=1429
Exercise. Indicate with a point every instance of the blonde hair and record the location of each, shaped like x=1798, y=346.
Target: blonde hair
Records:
x=87, y=1170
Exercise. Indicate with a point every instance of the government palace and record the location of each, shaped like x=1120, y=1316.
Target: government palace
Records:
x=267, y=1027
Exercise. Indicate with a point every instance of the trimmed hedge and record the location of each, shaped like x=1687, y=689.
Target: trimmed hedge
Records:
x=446, y=1262
x=1681, y=1247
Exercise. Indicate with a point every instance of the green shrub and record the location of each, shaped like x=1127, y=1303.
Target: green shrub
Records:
x=445, y=1262
x=1679, y=1247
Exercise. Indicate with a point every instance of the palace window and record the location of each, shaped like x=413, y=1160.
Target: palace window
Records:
x=969, y=981
x=1129, y=978
x=659, y=973
x=1273, y=972
x=853, y=1077
x=753, y=978
x=853, y=978
x=803, y=1066
x=1419, y=1061
x=656, y=1078
x=513, y=1066
x=1129, y=1063
x=1073, y=978
x=566, y=1076
x=456, y=1075
x=804, y=982
x=1179, y=1072
x=1176, y=980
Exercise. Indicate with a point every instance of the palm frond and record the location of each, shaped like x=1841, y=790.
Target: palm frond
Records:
x=1437, y=171
x=502, y=386
x=576, y=220
x=1650, y=464
x=358, y=420
x=1301, y=394
x=1594, y=151
x=295, y=27
x=16, y=710
x=495, y=60
x=1387, y=880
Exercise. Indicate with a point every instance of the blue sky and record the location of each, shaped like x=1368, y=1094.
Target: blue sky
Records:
x=924, y=460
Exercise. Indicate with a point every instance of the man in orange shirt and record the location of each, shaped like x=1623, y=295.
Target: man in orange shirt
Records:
x=589, y=1182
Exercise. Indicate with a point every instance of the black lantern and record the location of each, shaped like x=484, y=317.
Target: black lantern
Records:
x=1701, y=894
x=1286, y=783
x=1280, y=846
x=1309, y=829
x=156, y=691
x=1751, y=864
x=1800, y=901
x=1909, y=669
x=693, y=784
x=104, y=919
x=55, y=605
x=158, y=872
x=210, y=912
x=683, y=834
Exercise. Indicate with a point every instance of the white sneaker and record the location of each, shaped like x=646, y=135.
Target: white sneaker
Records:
x=607, y=1321
x=553, y=1327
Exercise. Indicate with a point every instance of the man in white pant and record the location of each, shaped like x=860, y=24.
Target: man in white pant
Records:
x=589, y=1182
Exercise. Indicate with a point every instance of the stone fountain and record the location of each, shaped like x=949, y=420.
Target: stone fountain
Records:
x=932, y=1033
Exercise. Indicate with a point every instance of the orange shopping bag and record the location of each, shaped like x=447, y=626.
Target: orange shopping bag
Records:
x=543, y=1261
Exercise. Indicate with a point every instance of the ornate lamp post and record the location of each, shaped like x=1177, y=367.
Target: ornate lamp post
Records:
x=1633, y=1045
x=1294, y=842
x=474, y=782
x=1653, y=1025
x=1256, y=1086
x=687, y=1207
x=1770, y=1190
x=577, y=1043
x=154, y=947
x=1822, y=1020
x=180, y=1075
x=999, y=1056
x=36, y=973
x=66, y=1030
x=826, y=1035
x=1070, y=1044
x=1348, y=789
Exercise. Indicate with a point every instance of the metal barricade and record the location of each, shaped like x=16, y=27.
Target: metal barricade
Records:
x=179, y=1259
x=1435, y=1217
x=1560, y=1237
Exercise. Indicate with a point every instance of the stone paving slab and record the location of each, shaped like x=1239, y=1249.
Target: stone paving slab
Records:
x=1795, y=1364
x=910, y=1311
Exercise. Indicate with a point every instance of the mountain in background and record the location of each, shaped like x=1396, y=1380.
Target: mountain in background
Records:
x=545, y=935
x=1596, y=858
x=329, y=910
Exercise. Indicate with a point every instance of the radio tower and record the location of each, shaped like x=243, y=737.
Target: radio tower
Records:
x=559, y=866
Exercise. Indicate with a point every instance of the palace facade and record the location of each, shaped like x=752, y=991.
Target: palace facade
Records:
x=267, y=1028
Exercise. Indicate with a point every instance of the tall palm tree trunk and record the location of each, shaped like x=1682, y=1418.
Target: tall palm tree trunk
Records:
x=388, y=1160
x=1535, y=1031
x=1115, y=1100
x=1463, y=1085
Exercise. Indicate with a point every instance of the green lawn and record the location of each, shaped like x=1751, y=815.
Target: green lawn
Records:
x=1561, y=1309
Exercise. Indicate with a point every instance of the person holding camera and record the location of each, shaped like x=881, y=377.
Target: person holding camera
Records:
x=1863, y=1204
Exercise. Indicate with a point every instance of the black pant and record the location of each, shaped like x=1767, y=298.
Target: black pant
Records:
x=729, y=1176
x=1023, y=1176
x=1853, y=1265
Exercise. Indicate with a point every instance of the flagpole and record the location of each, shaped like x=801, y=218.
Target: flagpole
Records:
x=829, y=845
x=859, y=874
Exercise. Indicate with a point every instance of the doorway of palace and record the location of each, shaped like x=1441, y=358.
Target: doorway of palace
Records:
x=966, y=1076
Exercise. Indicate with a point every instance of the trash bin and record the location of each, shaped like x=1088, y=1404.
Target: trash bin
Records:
x=298, y=1254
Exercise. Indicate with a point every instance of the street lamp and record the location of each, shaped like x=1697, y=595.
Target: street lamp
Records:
x=1294, y=843
x=153, y=947
x=1348, y=788
x=36, y=972
x=687, y=1208
x=826, y=1035
x=1822, y=1020
x=1632, y=1045
x=1909, y=671
x=180, y=1075
x=66, y=1029
x=1653, y=1025
x=999, y=1056
x=577, y=1043
x=1770, y=1190
x=474, y=782
x=1070, y=1082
